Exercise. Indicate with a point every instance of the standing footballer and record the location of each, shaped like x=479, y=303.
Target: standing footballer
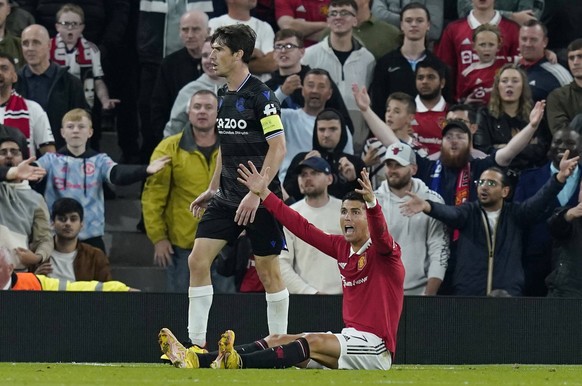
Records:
x=249, y=127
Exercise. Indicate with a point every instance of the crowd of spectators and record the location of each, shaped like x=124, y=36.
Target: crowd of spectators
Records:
x=462, y=110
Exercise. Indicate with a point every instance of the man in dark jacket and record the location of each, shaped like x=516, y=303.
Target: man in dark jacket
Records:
x=329, y=139
x=490, y=230
x=46, y=83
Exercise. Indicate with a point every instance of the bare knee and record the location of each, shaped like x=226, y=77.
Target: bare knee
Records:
x=316, y=342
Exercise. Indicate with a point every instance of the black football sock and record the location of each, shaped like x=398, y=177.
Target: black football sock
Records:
x=206, y=359
x=259, y=345
x=278, y=357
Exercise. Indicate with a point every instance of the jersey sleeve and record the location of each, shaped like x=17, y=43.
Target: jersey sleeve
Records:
x=268, y=112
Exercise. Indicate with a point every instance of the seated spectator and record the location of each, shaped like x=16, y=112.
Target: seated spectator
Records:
x=424, y=240
x=71, y=259
x=564, y=102
x=46, y=83
x=566, y=280
x=329, y=137
x=520, y=11
x=24, y=216
x=508, y=112
x=167, y=195
x=304, y=268
x=431, y=107
x=24, y=114
x=347, y=60
x=287, y=80
x=456, y=46
x=391, y=12
x=537, y=257
x=299, y=123
x=79, y=172
x=476, y=80
x=207, y=81
x=490, y=243
x=21, y=281
x=307, y=17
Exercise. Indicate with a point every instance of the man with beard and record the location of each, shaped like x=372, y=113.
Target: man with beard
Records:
x=299, y=123
x=24, y=226
x=72, y=259
x=490, y=242
x=431, y=108
x=304, y=268
x=424, y=241
x=330, y=136
x=451, y=174
x=537, y=254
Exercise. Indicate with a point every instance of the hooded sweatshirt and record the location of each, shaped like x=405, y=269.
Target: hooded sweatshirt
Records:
x=424, y=240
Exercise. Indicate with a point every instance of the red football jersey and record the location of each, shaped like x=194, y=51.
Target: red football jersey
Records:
x=428, y=125
x=477, y=82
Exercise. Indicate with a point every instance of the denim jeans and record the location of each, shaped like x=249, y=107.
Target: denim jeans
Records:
x=178, y=273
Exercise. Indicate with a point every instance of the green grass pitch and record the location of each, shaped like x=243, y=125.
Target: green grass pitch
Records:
x=53, y=374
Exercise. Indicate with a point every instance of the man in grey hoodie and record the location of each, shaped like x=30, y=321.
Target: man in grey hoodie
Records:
x=424, y=240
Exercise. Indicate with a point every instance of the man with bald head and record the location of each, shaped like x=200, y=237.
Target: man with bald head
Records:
x=177, y=70
x=47, y=83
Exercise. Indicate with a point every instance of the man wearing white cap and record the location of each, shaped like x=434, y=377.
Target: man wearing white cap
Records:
x=424, y=241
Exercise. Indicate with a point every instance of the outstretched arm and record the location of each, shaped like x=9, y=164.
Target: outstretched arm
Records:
x=504, y=156
x=376, y=125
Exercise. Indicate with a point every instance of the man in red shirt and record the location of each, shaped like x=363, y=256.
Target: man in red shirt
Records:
x=372, y=277
x=307, y=16
x=456, y=45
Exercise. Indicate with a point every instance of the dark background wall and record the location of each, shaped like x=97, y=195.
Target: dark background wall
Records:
x=121, y=327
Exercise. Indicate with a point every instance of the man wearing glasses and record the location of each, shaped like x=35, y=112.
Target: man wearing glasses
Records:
x=490, y=242
x=346, y=60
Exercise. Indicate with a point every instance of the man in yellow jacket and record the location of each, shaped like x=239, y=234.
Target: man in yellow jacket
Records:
x=24, y=281
x=167, y=195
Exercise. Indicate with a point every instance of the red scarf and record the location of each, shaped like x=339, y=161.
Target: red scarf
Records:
x=462, y=191
x=82, y=51
x=16, y=114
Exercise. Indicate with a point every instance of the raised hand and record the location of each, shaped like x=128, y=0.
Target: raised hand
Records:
x=367, y=191
x=361, y=96
x=256, y=182
x=537, y=113
x=157, y=165
x=567, y=166
x=26, y=171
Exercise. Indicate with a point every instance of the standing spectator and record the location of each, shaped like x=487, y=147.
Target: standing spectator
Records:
x=72, y=259
x=456, y=47
x=395, y=72
x=490, y=241
x=305, y=16
x=239, y=12
x=566, y=280
x=70, y=48
x=250, y=106
x=24, y=114
x=305, y=269
x=10, y=44
x=179, y=68
x=166, y=196
x=543, y=77
x=509, y=110
x=24, y=218
x=520, y=11
x=391, y=11
x=329, y=139
x=79, y=172
x=538, y=249
x=431, y=107
x=564, y=102
x=424, y=240
x=476, y=82
x=347, y=61
x=299, y=123
x=46, y=83
x=207, y=81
